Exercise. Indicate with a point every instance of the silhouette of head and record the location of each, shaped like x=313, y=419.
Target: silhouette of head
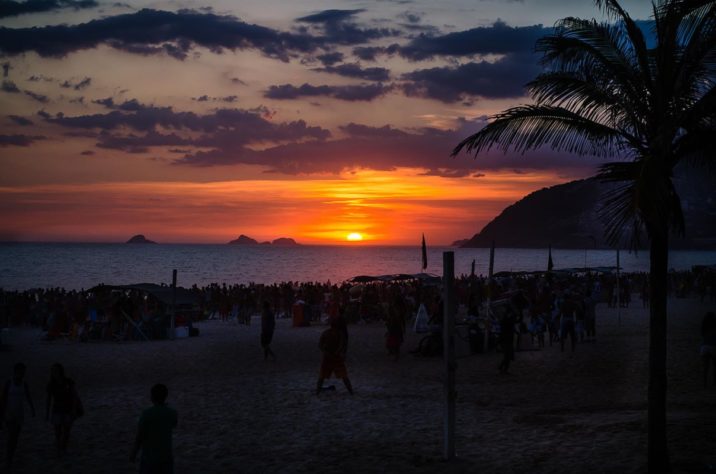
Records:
x=160, y=392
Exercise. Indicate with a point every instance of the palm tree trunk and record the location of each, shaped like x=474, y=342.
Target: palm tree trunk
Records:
x=658, y=456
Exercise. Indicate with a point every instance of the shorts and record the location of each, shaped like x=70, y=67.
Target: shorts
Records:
x=61, y=419
x=708, y=350
x=332, y=364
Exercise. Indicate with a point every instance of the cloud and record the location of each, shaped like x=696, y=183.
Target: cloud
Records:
x=233, y=129
x=336, y=28
x=329, y=16
x=43, y=99
x=386, y=148
x=206, y=98
x=351, y=93
x=499, y=38
x=329, y=59
x=19, y=140
x=150, y=32
x=78, y=86
x=504, y=78
x=9, y=87
x=377, y=74
x=22, y=121
x=10, y=8
x=87, y=153
x=369, y=53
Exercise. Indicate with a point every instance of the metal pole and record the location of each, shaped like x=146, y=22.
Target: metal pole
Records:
x=619, y=295
x=172, y=334
x=449, y=352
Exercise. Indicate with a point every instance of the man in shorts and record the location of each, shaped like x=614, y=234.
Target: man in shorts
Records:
x=332, y=345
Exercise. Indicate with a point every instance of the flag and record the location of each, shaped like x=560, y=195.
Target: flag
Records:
x=550, y=264
x=425, y=255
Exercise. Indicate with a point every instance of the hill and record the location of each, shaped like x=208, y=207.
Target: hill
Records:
x=567, y=216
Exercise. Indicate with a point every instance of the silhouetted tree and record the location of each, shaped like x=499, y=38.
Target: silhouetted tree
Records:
x=609, y=90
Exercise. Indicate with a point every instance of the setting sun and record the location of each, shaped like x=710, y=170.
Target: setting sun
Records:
x=354, y=237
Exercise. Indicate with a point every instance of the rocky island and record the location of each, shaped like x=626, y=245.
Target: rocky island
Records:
x=140, y=239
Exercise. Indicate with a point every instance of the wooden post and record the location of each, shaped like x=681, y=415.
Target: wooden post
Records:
x=172, y=334
x=619, y=295
x=449, y=352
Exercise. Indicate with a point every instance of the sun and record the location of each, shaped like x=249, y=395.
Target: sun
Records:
x=354, y=237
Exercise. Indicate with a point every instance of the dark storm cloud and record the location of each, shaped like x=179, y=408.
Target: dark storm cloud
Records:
x=150, y=32
x=377, y=74
x=20, y=120
x=329, y=59
x=499, y=38
x=19, y=140
x=10, y=8
x=505, y=78
x=351, y=93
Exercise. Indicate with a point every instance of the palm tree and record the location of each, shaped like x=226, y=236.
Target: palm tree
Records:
x=607, y=91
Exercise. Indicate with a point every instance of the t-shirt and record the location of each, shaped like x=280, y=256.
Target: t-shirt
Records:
x=155, y=429
x=62, y=393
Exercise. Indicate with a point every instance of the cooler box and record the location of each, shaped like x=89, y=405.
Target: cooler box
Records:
x=181, y=331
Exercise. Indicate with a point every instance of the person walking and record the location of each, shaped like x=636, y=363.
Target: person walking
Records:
x=12, y=413
x=268, y=325
x=66, y=408
x=154, y=434
x=333, y=360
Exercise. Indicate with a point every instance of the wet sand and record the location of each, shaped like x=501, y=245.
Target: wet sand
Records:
x=558, y=412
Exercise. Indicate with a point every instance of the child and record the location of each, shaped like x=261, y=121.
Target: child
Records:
x=12, y=406
x=154, y=434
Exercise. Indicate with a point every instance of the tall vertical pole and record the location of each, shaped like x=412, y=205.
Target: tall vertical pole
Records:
x=619, y=295
x=174, y=304
x=449, y=352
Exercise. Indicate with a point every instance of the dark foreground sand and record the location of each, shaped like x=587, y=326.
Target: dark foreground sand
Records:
x=558, y=412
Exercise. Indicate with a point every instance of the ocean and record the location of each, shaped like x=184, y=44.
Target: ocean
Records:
x=76, y=266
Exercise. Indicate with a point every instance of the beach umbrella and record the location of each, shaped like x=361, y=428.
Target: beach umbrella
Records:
x=472, y=269
x=550, y=264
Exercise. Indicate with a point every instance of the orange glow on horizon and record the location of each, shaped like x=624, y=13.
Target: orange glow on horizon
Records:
x=354, y=237
x=384, y=208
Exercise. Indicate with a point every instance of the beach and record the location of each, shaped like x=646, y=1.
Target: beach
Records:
x=557, y=412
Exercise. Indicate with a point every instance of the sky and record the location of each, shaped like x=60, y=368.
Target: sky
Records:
x=200, y=121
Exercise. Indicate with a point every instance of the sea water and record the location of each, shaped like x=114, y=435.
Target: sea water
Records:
x=76, y=266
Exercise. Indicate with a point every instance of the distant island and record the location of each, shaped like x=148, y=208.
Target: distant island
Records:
x=280, y=242
x=567, y=216
x=459, y=243
x=140, y=239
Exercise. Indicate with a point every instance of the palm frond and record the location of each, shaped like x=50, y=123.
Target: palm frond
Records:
x=532, y=126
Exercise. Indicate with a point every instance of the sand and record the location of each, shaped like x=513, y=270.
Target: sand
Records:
x=557, y=412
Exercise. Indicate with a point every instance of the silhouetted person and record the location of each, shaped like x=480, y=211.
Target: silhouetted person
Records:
x=567, y=311
x=507, y=340
x=268, y=325
x=154, y=435
x=333, y=361
x=12, y=409
x=708, y=345
x=62, y=398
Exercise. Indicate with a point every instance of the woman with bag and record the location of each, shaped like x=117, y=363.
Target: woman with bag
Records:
x=66, y=406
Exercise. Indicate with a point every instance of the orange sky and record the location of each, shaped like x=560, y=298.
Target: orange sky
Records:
x=384, y=207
